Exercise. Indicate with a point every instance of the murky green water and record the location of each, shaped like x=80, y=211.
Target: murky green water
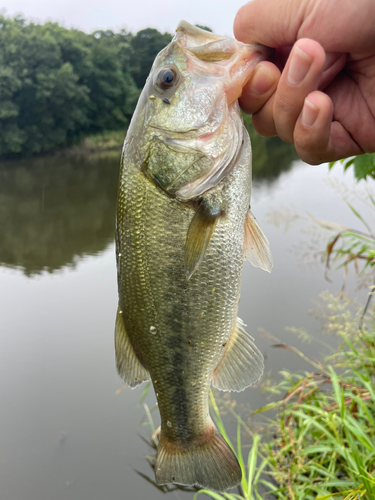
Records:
x=64, y=432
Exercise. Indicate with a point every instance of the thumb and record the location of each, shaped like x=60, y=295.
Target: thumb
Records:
x=269, y=22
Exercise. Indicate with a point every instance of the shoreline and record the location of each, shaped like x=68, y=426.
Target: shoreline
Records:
x=108, y=141
x=94, y=144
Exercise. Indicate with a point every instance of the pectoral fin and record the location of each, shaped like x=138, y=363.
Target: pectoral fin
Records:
x=198, y=237
x=257, y=248
x=242, y=364
x=128, y=365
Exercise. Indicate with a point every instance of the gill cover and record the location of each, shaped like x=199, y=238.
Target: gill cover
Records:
x=196, y=81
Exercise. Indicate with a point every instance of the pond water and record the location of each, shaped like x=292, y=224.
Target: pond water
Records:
x=64, y=432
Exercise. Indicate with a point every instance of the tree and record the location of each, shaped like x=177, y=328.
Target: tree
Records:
x=57, y=85
x=113, y=93
x=42, y=102
x=146, y=44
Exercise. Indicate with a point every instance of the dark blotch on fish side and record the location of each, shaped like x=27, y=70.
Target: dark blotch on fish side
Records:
x=166, y=100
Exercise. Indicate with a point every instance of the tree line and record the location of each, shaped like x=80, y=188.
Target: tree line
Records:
x=58, y=85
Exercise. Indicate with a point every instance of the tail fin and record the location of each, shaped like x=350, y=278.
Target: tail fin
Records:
x=208, y=463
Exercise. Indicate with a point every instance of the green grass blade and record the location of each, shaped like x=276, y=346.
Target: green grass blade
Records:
x=251, y=465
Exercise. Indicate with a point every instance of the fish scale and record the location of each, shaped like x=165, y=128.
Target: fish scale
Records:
x=180, y=263
x=154, y=291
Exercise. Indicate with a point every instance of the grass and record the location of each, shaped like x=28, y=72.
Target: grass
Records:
x=321, y=444
x=107, y=140
x=110, y=140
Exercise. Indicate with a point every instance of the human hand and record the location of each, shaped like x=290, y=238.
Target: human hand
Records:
x=323, y=99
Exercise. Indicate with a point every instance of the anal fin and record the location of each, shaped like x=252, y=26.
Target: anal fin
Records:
x=242, y=364
x=128, y=365
x=199, y=235
x=257, y=248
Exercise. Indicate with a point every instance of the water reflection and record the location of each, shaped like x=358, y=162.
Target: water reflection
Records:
x=66, y=434
x=52, y=211
x=271, y=156
x=55, y=210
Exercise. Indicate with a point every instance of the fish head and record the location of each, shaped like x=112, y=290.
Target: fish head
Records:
x=194, y=73
x=194, y=129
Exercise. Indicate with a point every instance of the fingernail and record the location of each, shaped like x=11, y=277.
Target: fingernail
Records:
x=262, y=81
x=309, y=113
x=299, y=66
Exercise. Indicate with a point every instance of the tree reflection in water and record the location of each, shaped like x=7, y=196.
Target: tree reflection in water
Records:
x=54, y=211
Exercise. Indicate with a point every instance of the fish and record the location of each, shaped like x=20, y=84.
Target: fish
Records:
x=183, y=230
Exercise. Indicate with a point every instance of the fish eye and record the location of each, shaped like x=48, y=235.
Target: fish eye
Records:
x=166, y=78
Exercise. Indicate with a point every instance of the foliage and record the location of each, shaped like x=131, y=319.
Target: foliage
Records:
x=42, y=100
x=113, y=93
x=146, y=44
x=346, y=246
x=58, y=85
x=103, y=141
x=202, y=27
x=349, y=245
x=364, y=165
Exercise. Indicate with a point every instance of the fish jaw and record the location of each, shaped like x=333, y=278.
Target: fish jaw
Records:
x=233, y=59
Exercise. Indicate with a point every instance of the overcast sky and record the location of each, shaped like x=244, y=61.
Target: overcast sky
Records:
x=134, y=15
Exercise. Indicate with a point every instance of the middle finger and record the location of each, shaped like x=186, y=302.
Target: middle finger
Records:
x=300, y=77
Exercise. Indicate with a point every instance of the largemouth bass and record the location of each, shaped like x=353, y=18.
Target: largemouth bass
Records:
x=183, y=230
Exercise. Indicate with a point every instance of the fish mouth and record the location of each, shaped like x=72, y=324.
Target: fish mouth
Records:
x=182, y=133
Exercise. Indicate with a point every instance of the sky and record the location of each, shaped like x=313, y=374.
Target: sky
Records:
x=134, y=15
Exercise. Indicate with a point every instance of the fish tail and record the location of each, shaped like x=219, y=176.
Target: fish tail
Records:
x=207, y=462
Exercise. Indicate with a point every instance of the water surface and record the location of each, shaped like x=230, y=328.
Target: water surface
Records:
x=64, y=432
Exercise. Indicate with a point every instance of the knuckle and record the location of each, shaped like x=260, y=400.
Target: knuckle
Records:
x=285, y=118
x=251, y=104
x=310, y=150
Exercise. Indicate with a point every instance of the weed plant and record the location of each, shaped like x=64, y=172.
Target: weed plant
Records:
x=321, y=444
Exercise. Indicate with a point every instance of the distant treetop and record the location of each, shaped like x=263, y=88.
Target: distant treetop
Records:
x=58, y=85
x=203, y=27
